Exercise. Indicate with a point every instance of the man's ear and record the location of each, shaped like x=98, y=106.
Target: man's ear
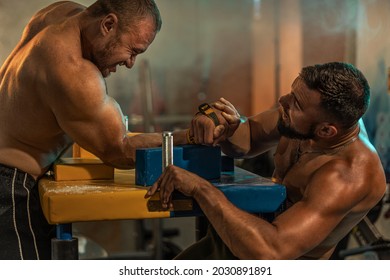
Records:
x=326, y=130
x=109, y=24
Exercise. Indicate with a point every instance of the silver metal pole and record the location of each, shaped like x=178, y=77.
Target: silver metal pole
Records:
x=167, y=159
x=167, y=149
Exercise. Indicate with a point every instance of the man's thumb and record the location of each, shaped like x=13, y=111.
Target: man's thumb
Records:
x=218, y=131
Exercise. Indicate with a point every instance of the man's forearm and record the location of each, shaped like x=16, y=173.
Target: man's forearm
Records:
x=238, y=229
x=256, y=135
x=180, y=137
x=238, y=145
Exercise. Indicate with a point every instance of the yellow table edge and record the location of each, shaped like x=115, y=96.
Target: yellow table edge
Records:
x=95, y=200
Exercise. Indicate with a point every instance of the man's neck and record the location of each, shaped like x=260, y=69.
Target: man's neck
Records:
x=342, y=139
x=86, y=26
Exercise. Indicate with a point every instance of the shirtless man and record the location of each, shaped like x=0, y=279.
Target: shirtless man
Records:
x=53, y=93
x=332, y=173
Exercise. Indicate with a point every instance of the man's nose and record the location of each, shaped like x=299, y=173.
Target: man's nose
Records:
x=283, y=100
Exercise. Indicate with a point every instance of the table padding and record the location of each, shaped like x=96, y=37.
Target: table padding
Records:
x=80, y=201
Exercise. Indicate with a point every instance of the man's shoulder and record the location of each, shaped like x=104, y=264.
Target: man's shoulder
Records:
x=58, y=10
x=57, y=64
x=59, y=49
x=350, y=160
x=54, y=14
x=358, y=170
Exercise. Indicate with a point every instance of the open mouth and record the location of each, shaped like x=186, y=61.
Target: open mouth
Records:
x=106, y=72
x=111, y=69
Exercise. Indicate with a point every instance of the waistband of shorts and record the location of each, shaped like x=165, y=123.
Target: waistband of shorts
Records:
x=9, y=172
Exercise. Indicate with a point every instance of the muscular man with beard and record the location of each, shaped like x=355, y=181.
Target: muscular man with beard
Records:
x=332, y=173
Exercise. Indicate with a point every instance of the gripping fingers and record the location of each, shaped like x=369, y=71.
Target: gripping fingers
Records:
x=219, y=131
x=166, y=188
x=203, y=128
x=153, y=189
x=229, y=105
x=224, y=101
x=208, y=134
x=231, y=119
x=226, y=109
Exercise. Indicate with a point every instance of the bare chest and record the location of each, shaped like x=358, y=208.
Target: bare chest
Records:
x=294, y=169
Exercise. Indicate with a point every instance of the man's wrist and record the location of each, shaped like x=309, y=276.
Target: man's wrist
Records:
x=243, y=119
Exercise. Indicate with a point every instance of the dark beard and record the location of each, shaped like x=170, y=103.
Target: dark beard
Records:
x=101, y=58
x=289, y=132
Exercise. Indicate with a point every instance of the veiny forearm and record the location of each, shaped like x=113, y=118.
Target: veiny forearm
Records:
x=122, y=155
x=126, y=151
x=238, y=145
x=257, y=135
x=246, y=235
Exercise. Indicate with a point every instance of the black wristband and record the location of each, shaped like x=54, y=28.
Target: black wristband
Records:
x=208, y=111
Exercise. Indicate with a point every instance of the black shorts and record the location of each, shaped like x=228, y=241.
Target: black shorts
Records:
x=24, y=231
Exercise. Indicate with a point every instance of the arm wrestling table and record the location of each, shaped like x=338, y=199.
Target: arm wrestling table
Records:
x=66, y=202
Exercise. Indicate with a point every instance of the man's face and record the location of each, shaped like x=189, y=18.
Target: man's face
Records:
x=123, y=47
x=300, y=112
x=104, y=56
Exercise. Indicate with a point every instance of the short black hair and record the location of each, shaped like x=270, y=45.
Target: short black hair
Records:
x=345, y=92
x=129, y=12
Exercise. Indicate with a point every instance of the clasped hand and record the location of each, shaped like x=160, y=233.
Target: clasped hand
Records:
x=175, y=178
x=206, y=132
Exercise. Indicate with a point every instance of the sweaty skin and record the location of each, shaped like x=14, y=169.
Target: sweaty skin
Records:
x=52, y=89
x=328, y=192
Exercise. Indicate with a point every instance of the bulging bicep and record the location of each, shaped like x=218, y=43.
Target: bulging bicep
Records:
x=86, y=113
